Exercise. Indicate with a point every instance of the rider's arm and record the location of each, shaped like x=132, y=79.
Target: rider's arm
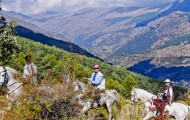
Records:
x=34, y=68
x=90, y=79
x=171, y=96
x=25, y=72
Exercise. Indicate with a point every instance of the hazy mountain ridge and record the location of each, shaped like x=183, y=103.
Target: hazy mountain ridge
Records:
x=35, y=33
x=30, y=23
x=155, y=35
x=176, y=6
x=125, y=36
x=93, y=29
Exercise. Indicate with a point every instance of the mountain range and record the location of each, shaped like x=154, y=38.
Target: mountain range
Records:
x=152, y=40
x=45, y=39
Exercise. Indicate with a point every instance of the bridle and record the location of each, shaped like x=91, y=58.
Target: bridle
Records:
x=15, y=88
x=134, y=97
x=5, y=76
x=6, y=80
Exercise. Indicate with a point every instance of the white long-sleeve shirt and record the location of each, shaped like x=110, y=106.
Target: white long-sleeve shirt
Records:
x=30, y=69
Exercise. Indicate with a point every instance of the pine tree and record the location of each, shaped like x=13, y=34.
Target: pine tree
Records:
x=128, y=84
x=8, y=43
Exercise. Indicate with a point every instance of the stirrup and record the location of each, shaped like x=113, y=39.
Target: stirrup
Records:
x=98, y=104
x=92, y=105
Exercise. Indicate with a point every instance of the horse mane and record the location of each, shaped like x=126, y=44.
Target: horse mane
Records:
x=144, y=91
x=8, y=69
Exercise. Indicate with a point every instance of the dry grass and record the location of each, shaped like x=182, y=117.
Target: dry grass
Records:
x=127, y=112
x=133, y=112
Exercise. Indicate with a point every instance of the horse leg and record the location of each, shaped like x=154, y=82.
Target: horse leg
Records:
x=110, y=115
x=188, y=112
x=148, y=116
x=187, y=118
x=1, y=114
x=84, y=110
x=109, y=108
x=9, y=106
x=86, y=113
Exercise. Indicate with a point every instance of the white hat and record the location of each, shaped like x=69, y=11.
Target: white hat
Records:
x=167, y=81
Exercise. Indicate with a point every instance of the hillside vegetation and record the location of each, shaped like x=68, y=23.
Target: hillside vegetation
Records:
x=61, y=62
x=53, y=63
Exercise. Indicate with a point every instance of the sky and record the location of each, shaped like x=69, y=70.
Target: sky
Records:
x=38, y=6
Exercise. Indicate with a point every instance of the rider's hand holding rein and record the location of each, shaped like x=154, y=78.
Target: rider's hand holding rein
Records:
x=88, y=80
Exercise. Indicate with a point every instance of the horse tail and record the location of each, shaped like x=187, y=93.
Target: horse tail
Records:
x=118, y=101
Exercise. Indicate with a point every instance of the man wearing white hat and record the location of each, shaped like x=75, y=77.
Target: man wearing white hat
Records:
x=169, y=92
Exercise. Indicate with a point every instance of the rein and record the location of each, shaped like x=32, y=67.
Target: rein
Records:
x=15, y=88
x=12, y=84
x=149, y=100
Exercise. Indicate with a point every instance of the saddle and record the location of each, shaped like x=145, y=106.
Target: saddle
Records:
x=97, y=96
x=160, y=102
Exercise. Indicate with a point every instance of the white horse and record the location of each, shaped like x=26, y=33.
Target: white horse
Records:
x=178, y=110
x=14, y=86
x=108, y=99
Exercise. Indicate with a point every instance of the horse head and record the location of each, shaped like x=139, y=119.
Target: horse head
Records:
x=13, y=85
x=79, y=86
x=134, y=97
x=141, y=94
x=3, y=76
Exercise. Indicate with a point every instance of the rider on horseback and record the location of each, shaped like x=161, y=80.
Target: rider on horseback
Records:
x=163, y=99
x=30, y=69
x=168, y=93
x=98, y=81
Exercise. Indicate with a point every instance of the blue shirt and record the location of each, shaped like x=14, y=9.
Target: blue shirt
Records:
x=96, y=78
